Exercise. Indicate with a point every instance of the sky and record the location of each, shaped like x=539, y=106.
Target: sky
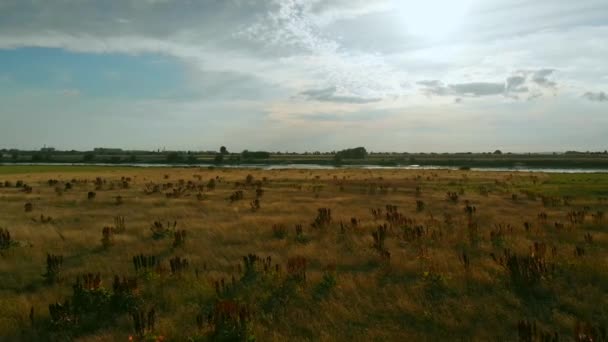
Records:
x=305, y=75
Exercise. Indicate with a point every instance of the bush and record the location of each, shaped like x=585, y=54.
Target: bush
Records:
x=279, y=231
x=351, y=153
x=173, y=157
x=91, y=306
x=88, y=157
x=54, y=265
x=5, y=239
x=255, y=154
x=324, y=288
x=192, y=159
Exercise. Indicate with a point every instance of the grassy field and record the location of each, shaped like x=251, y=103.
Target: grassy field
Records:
x=401, y=255
x=58, y=170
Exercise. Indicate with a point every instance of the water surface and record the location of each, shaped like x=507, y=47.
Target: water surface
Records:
x=327, y=167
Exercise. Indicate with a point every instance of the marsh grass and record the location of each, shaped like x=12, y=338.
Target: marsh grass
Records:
x=330, y=255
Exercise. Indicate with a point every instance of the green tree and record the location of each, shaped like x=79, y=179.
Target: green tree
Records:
x=337, y=159
x=255, y=154
x=353, y=153
x=88, y=157
x=173, y=157
x=192, y=159
x=223, y=150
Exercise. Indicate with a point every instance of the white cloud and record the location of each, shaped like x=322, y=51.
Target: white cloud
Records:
x=599, y=96
x=331, y=95
x=294, y=24
x=293, y=59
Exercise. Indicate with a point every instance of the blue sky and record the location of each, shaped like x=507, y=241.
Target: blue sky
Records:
x=106, y=75
x=297, y=75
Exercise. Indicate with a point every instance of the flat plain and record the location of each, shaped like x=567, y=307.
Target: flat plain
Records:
x=178, y=254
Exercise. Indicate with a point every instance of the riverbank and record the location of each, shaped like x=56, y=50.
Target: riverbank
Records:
x=455, y=160
x=13, y=168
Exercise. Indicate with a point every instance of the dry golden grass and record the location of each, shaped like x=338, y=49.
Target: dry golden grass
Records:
x=416, y=286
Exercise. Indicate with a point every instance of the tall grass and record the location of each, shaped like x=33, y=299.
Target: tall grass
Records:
x=329, y=255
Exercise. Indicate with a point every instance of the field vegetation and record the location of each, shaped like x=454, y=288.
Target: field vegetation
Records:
x=351, y=156
x=199, y=254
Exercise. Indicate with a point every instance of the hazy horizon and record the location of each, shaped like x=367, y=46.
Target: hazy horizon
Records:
x=239, y=151
x=305, y=75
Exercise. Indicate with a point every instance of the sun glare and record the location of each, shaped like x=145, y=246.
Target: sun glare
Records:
x=432, y=19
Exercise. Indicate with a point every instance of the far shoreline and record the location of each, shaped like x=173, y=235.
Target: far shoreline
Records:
x=302, y=166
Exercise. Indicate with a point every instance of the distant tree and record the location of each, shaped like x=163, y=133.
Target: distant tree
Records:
x=255, y=154
x=133, y=158
x=37, y=157
x=192, y=158
x=353, y=153
x=15, y=156
x=88, y=157
x=498, y=152
x=337, y=159
x=219, y=158
x=223, y=150
x=173, y=157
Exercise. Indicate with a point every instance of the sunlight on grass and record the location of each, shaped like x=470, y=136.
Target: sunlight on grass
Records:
x=322, y=254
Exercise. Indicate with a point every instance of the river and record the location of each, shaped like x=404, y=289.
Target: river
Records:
x=327, y=167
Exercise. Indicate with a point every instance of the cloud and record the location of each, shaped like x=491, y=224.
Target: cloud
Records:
x=472, y=89
x=292, y=58
x=329, y=95
x=434, y=87
x=331, y=117
x=522, y=82
x=596, y=97
x=540, y=77
x=300, y=44
x=430, y=83
x=478, y=88
x=515, y=84
x=296, y=26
